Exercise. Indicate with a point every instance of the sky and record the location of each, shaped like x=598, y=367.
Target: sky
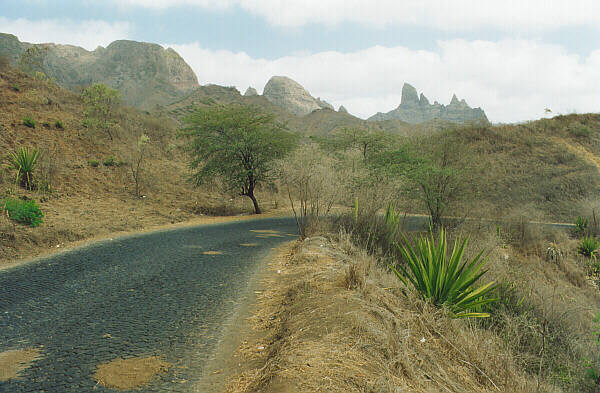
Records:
x=513, y=58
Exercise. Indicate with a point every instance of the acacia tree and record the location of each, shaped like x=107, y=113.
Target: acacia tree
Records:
x=237, y=144
x=433, y=169
x=366, y=140
x=101, y=103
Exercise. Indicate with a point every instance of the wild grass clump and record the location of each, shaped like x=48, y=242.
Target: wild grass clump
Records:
x=110, y=161
x=94, y=163
x=59, y=125
x=581, y=224
x=444, y=279
x=23, y=212
x=588, y=246
x=24, y=161
x=29, y=122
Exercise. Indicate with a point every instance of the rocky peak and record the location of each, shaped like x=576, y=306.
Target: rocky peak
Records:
x=342, y=109
x=290, y=95
x=409, y=95
x=251, y=91
x=417, y=109
x=146, y=74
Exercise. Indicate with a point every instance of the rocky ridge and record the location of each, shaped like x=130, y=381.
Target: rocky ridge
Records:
x=146, y=74
x=417, y=109
x=290, y=95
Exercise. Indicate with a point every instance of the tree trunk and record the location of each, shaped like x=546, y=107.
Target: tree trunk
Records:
x=254, y=201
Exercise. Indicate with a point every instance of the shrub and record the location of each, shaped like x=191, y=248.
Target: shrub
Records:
x=588, y=246
x=59, y=124
x=442, y=278
x=110, y=161
x=94, y=163
x=16, y=88
x=24, y=212
x=46, y=124
x=581, y=224
x=579, y=130
x=24, y=162
x=29, y=122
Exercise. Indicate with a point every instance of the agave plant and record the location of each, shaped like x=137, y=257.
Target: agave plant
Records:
x=589, y=246
x=24, y=162
x=444, y=279
x=392, y=223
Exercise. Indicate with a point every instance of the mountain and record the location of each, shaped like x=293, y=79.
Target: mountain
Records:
x=416, y=109
x=146, y=74
x=290, y=95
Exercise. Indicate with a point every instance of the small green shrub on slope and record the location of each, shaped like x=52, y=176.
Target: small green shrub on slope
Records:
x=588, y=246
x=24, y=212
x=24, y=161
x=29, y=122
x=444, y=279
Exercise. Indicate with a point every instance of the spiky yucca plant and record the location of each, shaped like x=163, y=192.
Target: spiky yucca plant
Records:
x=589, y=246
x=443, y=278
x=24, y=162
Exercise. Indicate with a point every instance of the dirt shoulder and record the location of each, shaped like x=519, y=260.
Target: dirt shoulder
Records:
x=328, y=319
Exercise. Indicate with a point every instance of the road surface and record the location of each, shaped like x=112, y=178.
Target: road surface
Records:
x=160, y=294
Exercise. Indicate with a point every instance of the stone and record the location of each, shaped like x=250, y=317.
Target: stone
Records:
x=416, y=109
x=250, y=92
x=409, y=95
x=342, y=109
x=290, y=95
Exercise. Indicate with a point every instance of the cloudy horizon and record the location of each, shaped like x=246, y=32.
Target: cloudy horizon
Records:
x=511, y=59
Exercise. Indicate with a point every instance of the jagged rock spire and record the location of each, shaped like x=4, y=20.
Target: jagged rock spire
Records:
x=409, y=95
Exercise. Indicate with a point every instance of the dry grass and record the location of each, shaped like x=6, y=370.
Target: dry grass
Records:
x=333, y=321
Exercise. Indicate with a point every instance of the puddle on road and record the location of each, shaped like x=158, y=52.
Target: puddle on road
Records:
x=14, y=361
x=129, y=373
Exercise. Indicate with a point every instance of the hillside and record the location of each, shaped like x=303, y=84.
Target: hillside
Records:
x=86, y=198
x=146, y=74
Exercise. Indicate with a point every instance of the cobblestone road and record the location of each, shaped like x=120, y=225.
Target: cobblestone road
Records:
x=155, y=294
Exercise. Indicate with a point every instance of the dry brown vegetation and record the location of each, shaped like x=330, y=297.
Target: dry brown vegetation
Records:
x=334, y=320
x=86, y=201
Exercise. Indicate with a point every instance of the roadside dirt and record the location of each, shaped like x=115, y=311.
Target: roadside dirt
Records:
x=12, y=362
x=327, y=318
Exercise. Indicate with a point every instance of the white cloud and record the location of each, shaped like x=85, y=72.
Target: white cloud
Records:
x=505, y=15
x=87, y=33
x=512, y=80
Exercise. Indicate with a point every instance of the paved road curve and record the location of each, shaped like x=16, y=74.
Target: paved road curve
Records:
x=154, y=294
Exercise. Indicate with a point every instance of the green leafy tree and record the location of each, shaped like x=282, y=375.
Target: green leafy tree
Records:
x=101, y=104
x=366, y=140
x=237, y=144
x=435, y=175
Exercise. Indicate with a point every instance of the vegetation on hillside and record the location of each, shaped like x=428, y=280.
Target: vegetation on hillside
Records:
x=236, y=144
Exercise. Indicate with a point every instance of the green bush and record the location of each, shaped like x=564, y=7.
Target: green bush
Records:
x=59, y=124
x=581, y=224
x=24, y=162
x=443, y=279
x=29, y=122
x=110, y=161
x=94, y=163
x=588, y=246
x=579, y=130
x=16, y=88
x=46, y=124
x=24, y=212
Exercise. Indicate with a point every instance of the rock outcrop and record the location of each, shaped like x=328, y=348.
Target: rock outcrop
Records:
x=251, y=92
x=342, y=109
x=290, y=95
x=417, y=109
x=145, y=74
